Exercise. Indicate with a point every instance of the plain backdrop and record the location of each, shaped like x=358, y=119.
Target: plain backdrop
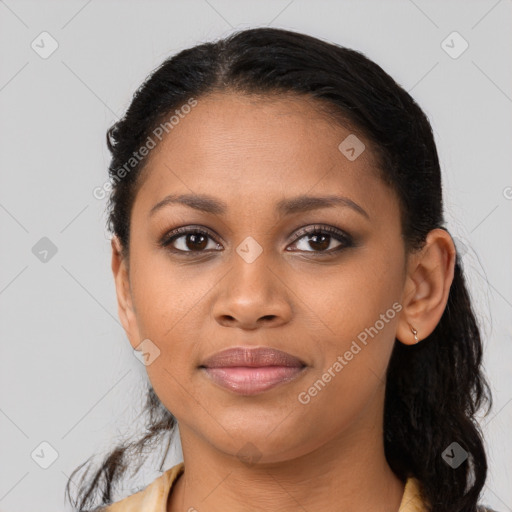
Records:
x=70, y=384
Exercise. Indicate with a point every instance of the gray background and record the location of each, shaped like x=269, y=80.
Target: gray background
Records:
x=68, y=375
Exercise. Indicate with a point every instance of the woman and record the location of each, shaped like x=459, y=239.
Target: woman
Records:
x=282, y=264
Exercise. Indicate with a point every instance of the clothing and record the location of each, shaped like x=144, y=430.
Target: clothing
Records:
x=153, y=498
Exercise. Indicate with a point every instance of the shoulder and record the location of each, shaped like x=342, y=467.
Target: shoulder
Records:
x=151, y=498
x=414, y=502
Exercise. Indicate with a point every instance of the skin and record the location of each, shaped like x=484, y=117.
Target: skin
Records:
x=252, y=152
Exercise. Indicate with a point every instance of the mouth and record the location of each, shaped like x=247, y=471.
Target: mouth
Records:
x=251, y=371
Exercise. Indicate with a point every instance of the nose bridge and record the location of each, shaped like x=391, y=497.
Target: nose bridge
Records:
x=252, y=291
x=251, y=269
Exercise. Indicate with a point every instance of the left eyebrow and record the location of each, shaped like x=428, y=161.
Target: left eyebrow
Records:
x=209, y=204
x=308, y=203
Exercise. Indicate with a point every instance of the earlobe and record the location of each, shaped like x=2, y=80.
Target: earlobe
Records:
x=429, y=278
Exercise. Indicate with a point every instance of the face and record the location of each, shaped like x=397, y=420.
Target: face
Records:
x=322, y=282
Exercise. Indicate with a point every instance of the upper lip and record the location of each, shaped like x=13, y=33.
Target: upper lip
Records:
x=252, y=357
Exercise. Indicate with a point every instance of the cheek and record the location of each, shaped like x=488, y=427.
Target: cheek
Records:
x=361, y=310
x=355, y=295
x=170, y=311
x=166, y=294
x=352, y=370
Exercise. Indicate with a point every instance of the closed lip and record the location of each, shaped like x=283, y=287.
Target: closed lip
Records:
x=251, y=357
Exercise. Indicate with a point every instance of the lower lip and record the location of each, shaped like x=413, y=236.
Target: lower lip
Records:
x=246, y=380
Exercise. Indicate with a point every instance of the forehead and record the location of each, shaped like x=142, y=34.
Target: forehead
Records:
x=235, y=126
x=254, y=147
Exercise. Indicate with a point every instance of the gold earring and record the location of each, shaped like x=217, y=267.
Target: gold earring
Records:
x=415, y=332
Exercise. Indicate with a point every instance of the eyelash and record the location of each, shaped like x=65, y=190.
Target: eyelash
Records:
x=338, y=235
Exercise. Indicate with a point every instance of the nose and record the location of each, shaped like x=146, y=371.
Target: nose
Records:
x=252, y=295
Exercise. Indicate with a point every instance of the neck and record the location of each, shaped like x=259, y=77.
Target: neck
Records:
x=349, y=472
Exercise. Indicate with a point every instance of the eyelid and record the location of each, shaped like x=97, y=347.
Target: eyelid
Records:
x=184, y=230
x=313, y=228
x=344, y=238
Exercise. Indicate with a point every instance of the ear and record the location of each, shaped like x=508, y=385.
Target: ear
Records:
x=125, y=307
x=429, y=277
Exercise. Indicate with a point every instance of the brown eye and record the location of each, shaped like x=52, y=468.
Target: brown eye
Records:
x=317, y=239
x=321, y=239
x=195, y=241
x=188, y=240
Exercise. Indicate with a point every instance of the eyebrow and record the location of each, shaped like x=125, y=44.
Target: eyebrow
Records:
x=208, y=204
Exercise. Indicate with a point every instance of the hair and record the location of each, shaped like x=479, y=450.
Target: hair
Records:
x=434, y=388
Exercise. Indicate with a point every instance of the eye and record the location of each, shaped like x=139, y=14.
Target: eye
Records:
x=194, y=239
x=188, y=240
x=320, y=238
